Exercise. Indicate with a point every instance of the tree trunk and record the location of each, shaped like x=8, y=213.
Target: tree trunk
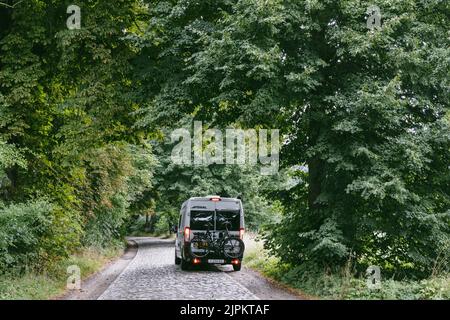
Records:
x=315, y=172
x=12, y=174
x=315, y=164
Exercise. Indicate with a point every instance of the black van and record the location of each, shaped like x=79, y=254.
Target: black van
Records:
x=210, y=231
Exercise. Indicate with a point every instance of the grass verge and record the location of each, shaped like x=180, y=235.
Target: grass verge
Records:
x=343, y=286
x=52, y=282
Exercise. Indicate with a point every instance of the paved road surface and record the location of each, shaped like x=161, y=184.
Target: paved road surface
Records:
x=152, y=274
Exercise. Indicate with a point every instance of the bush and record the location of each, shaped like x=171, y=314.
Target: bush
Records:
x=346, y=285
x=22, y=226
x=162, y=225
x=52, y=283
x=64, y=235
x=136, y=225
x=107, y=224
x=341, y=283
x=33, y=234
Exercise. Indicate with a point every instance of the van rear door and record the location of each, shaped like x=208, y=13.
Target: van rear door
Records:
x=202, y=220
x=229, y=215
x=215, y=216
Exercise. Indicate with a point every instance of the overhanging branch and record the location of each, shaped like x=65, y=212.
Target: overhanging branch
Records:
x=11, y=6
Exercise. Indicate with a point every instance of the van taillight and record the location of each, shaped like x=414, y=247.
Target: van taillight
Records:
x=241, y=233
x=187, y=234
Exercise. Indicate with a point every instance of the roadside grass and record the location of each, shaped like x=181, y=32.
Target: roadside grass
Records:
x=52, y=283
x=343, y=286
x=257, y=258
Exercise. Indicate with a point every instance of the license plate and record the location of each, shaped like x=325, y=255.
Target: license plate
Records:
x=200, y=245
x=216, y=261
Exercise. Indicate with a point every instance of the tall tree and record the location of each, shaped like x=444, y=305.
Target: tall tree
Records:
x=66, y=114
x=363, y=109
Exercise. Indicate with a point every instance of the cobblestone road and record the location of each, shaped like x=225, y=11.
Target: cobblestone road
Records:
x=153, y=275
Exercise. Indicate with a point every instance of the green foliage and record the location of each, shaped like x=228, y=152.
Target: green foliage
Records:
x=347, y=286
x=177, y=183
x=364, y=116
x=52, y=283
x=22, y=228
x=34, y=234
x=343, y=283
x=362, y=109
x=162, y=226
x=106, y=223
x=137, y=226
x=10, y=156
x=120, y=183
x=66, y=130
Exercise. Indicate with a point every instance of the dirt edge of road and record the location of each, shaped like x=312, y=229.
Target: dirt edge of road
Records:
x=93, y=286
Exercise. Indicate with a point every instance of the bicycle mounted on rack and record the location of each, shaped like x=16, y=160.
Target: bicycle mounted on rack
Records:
x=210, y=231
x=205, y=244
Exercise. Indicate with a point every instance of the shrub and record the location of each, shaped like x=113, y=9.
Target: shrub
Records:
x=344, y=285
x=34, y=234
x=163, y=224
x=107, y=224
x=136, y=225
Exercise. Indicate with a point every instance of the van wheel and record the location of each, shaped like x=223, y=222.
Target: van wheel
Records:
x=177, y=260
x=237, y=267
x=184, y=264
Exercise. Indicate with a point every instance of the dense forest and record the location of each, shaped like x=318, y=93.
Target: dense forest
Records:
x=86, y=116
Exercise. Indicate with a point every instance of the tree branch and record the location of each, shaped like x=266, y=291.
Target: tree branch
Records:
x=11, y=6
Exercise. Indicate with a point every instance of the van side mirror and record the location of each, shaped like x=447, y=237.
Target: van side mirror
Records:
x=174, y=228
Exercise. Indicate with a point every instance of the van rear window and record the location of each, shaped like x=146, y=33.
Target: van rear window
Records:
x=232, y=217
x=202, y=220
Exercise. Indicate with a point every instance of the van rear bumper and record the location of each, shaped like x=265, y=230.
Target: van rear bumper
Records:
x=205, y=260
x=220, y=261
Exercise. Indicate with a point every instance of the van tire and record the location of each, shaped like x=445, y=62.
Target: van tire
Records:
x=237, y=267
x=177, y=260
x=184, y=265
